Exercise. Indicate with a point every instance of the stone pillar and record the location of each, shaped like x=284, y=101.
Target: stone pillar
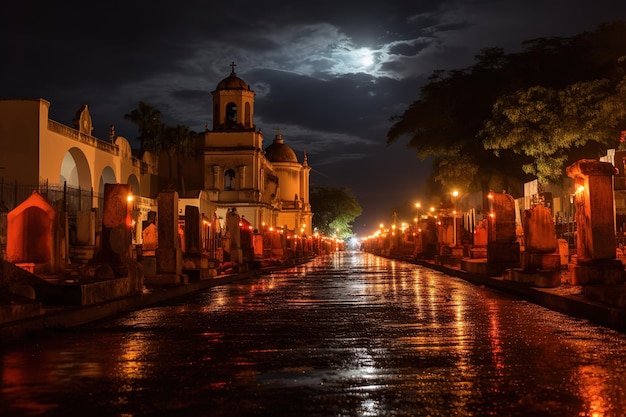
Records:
x=595, y=224
x=168, y=253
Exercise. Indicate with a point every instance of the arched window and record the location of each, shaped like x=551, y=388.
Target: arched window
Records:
x=231, y=114
x=229, y=179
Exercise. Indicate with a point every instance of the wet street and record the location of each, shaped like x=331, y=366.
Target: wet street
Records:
x=349, y=334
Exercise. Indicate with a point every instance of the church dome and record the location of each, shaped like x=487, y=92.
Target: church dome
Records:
x=279, y=152
x=232, y=82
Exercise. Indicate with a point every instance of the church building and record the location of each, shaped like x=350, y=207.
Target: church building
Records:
x=268, y=187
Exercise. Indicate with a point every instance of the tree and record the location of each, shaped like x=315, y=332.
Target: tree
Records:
x=333, y=209
x=552, y=126
x=446, y=122
x=178, y=143
x=443, y=124
x=151, y=129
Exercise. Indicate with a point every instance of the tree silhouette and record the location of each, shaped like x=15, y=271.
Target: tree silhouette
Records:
x=149, y=125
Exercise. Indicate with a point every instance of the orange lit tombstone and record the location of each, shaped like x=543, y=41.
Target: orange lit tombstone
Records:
x=595, y=224
x=168, y=253
x=116, y=221
x=30, y=228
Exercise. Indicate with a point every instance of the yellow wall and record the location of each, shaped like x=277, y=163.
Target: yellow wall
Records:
x=19, y=139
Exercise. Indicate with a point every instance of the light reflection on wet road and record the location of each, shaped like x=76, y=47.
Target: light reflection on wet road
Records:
x=349, y=334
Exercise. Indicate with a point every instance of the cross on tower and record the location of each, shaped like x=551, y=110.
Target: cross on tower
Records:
x=232, y=65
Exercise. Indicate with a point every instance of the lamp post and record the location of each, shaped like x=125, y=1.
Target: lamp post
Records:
x=455, y=194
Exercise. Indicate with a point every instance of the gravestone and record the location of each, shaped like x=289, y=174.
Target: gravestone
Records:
x=83, y=240
x=168, y=253
x=150, y=238
x=596, y=261
x=85, y=227
x=503, y=249
x=539, y=230
x=232, y=228
x=33, y=235
x=479, y=249
x=195, y=263
x=257, y=244
x=540, y=260
x=115, y=245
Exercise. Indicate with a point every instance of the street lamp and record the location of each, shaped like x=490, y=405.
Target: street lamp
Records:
x=455, y=194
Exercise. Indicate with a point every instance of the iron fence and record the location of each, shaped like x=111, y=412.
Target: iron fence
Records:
x=60, y=196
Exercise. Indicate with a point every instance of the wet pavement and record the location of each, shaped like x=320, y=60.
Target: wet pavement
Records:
x=349, y=334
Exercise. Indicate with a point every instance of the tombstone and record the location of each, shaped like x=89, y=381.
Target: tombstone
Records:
x=168, y=253
x=83, y=238
x=116, y=244
x=257, y=244
x=540, y=261
x=232, y=226
x=503, y=249
x=195, y=264
x=445, y=235
x=33, y=238
x=479, y=249
x=85, y=227
x=596, y=261
x=150, y=239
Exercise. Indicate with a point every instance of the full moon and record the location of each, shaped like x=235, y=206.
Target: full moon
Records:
x=367, y=60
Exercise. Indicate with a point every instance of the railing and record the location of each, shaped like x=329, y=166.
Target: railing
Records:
x=81, y=137
x=59, y=196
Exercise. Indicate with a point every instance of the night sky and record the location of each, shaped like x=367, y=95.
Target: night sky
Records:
x=329, y=74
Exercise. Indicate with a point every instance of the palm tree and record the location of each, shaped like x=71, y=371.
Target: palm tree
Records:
x=151, y=129
x=179, y=143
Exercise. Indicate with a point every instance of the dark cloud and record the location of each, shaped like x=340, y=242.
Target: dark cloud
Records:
x=330, y=74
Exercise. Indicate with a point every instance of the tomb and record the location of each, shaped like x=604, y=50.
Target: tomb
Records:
x=540, y=261
x=168, y=253
x=503, y=250
x=195, y=263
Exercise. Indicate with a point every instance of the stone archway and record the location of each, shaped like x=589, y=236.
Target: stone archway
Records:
x=75, y=170
x=134, y=184
x=107, y=177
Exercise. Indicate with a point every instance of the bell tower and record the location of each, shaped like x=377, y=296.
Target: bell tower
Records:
x=233, y=105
